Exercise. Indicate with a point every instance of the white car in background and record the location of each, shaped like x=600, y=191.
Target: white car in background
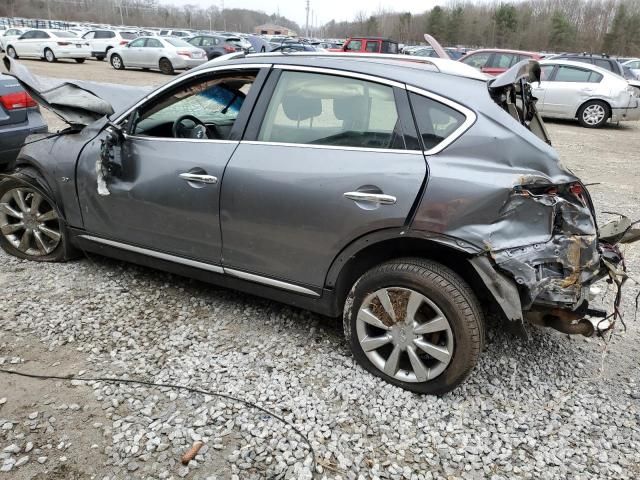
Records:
x=634, y=66
x=102, y=40
x=166, y=54
x=9, y=35
x=51, y=45
x=584, y=91
x=175, y=33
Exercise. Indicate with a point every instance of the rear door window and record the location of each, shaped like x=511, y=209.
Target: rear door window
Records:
x=153, y=43
x=318, y=109
x=606, y=64
x=574, y=74
x=372, y=46
x=501, y=60
x=435, y=121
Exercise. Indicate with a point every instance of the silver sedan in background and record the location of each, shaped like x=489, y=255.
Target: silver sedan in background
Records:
x=166, y=54
x=587, y=92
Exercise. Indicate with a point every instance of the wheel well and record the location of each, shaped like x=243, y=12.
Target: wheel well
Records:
x=594, y=100
x=383, y=251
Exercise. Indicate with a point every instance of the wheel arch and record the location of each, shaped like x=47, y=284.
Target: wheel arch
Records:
x=374, y=249
x=595, y=99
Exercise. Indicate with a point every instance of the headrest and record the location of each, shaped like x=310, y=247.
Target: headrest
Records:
x=351, y=108
x=297, y=107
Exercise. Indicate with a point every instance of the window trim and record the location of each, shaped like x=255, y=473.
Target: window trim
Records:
x=470, y=118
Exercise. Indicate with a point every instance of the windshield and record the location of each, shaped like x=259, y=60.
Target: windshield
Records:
x=176, y=42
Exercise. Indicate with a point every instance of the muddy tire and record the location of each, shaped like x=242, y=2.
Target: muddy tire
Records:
x=165, y=66
x=49, y=56
x=116, y=62
x=11, y=52
x=31, y=226
x=594, y=114
x=415, y=324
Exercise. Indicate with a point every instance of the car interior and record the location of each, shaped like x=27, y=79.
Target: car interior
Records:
x=199, y=110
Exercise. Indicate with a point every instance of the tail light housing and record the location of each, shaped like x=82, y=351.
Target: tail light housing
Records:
x=17, y=100
x=124, y=42
x=184, y=53
x=64, y=44
x=229, y=48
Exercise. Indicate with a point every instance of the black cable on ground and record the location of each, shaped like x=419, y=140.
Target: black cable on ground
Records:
x=174, y=387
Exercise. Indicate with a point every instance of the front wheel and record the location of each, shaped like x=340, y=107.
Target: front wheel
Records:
x=30, y=224
x=116, y=62
x=415, y=324
x=80, y=60
x=49, y=56
x=12, y=52
x=593, y=114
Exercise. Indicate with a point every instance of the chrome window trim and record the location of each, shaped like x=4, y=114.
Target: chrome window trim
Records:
x=170, y=139
x=331, y=147
x=341, y=73
x=270, y=282
x=470, y=118
x=187, y=77
x=155, y=254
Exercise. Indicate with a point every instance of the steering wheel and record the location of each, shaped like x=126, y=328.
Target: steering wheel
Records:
x=197, y=129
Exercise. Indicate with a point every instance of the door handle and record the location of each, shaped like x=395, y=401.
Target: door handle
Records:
x=194, y=177
x=379, y=198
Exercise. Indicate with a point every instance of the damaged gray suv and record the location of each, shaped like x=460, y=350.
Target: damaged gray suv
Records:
x=409, y=197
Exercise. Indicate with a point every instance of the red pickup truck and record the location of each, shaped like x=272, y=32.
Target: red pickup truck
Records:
x=368, y=45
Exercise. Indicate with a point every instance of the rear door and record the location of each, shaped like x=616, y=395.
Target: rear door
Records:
x=569, y=88
x=325, y=161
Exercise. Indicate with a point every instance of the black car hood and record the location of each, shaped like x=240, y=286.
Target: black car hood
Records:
x=77, y=102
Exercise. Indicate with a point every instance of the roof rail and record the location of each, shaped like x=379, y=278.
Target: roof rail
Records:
x=381, y=56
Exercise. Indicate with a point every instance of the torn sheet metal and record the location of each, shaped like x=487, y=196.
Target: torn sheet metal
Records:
x=77, y=102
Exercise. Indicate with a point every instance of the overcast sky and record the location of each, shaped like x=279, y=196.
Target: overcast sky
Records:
x=324, y=10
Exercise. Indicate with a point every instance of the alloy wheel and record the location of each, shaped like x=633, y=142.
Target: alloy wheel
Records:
x=116, y=62
x=12, y=52
x=48, y=54
x=593, y=114
x=404, y=334
x=29, y=222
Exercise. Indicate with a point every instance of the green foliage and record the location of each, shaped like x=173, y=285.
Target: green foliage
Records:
x=562, y=34
x=437, y=22
x=506, y=21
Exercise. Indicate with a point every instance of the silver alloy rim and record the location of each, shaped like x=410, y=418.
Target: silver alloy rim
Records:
x=404, y=334
x=28, y=222
x=593, y=114
x=49, y=55
x=12, y=52
x=115, y=61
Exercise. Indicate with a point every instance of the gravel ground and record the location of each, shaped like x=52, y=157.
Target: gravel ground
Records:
x=548, y=407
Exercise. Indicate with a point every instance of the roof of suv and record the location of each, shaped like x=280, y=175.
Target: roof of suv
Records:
x=505, y=50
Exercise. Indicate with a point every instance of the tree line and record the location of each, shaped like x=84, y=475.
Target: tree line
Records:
x=143, y=13
x=596, y=26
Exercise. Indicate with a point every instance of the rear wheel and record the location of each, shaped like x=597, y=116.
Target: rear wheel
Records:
x=116, y=62
x=416, y=324
x=165, y=66
x=49, y=56
x=30, y=224
x=99, y=58
x=12, y=52
x=593, y=114
x=80, y=60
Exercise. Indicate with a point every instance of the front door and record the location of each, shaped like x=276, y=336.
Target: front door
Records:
x=327, y=163
x=133, y=53
x=166, y=197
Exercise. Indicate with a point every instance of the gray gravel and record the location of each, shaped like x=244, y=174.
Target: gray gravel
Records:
x=551, y=407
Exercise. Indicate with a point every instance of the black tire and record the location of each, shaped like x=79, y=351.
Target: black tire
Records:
x=449, y=293
x=165, y=66
x=99, y=58
x=79, y=60
x=117, y=62
x=594, y=114
x=49, y=56
x=11, y=52
x=29, y=188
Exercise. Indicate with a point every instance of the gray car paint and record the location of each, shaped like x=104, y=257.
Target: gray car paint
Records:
x=476, y=200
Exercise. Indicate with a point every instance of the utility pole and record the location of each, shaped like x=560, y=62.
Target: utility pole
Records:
x=307, y=27
x=121, y=16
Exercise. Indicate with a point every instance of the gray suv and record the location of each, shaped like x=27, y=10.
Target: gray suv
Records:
x=410, y=197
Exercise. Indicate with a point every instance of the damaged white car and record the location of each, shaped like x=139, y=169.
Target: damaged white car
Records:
x=408, y=196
